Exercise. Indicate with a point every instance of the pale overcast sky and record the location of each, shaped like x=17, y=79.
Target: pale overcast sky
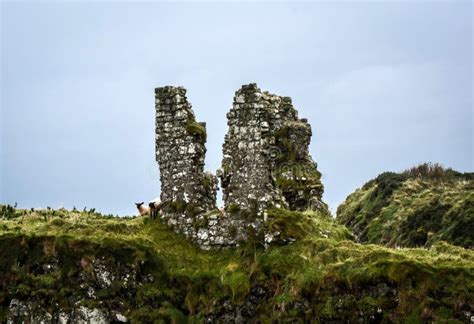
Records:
x=385, y=86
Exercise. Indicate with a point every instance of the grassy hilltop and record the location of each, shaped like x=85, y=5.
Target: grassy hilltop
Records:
x=57, y=261
x=418, y=207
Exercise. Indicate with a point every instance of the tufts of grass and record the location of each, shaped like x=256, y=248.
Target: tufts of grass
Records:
x=196, y=129
x=418, y=207
x=324, y=276
x=297, y=225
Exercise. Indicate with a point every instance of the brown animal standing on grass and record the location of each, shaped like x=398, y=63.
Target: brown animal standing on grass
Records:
x=142, y=209
x=153, y=208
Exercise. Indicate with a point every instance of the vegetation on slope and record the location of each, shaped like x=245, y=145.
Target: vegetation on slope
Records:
x=418, y=207
x=51, y=258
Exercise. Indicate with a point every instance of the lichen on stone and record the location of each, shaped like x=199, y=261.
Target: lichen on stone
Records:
x=266, y=154
x=266, y=164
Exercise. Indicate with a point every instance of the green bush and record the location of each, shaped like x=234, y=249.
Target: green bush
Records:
x=435, y=171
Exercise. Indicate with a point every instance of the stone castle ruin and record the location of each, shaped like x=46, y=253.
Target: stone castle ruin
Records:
x=180, y=152
x=266, y=164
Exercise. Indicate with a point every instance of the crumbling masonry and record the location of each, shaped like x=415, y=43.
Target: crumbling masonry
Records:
x=266, y=164
x=180, y=152
x=266, y=159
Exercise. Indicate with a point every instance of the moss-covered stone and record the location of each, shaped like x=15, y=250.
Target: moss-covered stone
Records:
x=266, y=154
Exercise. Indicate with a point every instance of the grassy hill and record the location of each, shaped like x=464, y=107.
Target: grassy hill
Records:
x=418, y=207
x=61, y=264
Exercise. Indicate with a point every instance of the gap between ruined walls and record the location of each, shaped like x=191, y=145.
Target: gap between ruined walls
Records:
x=266, y=164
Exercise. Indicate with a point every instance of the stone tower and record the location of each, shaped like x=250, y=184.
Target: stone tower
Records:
x=180, y=153
x=266, y=155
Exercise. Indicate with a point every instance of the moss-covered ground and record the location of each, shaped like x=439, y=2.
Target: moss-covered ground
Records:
x=322, y=277
x=418, y=207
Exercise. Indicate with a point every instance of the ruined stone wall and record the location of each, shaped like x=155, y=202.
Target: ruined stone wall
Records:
x=266, y=155
x=180, y=153
x=248, y=147
x=266, y=164
x=188, y=194
x=296, y=174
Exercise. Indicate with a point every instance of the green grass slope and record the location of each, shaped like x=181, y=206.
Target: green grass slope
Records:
x=51, y=259
x=418, y=207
